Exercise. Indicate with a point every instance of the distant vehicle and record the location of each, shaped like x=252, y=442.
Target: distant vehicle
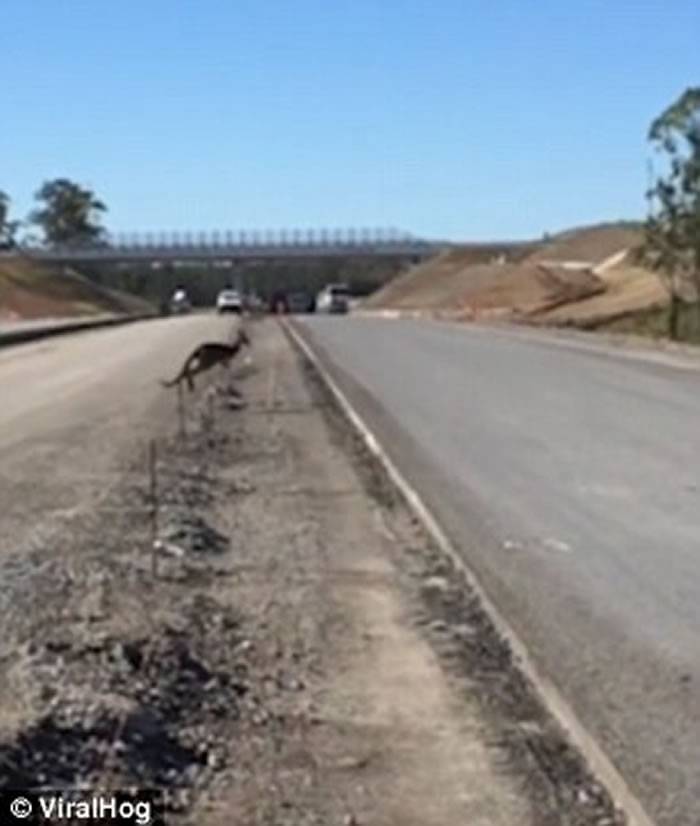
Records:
x=180, y=302
x=279, y=303
x=253, y=302
x=333, y=298
x=300, y=302
x=229, y=301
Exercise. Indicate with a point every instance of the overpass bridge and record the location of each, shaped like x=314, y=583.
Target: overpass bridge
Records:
x=239, y=246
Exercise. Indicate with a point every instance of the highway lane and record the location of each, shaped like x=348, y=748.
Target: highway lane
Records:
x=569, y=477
x=76, y=410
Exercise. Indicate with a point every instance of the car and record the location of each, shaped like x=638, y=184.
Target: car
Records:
x=253, y=303
x=300, y=302
x=333, y=298
x=279, y=303
x=180, y=302
x=229, y=301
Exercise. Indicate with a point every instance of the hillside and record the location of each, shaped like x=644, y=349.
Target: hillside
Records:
x=29, y=291
x=443, y=280
x=628, y=290
x=580, y=277
x=591, y=245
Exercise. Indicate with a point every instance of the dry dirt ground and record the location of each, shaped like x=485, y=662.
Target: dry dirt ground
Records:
x=565, y=281
x=293, y=651
x=628, y=290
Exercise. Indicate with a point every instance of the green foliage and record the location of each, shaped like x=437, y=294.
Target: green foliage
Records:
x=654, y=323
x=672, y=232
x=68, y=214
x=8, y=228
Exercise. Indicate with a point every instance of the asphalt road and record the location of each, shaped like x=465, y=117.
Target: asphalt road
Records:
x=568, y=475
x=76, y=410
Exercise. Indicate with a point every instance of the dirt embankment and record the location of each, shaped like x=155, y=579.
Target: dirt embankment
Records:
x=443, y=281
x=628, y=290
x=588, y=245
x=584, y=278
x=31, y=291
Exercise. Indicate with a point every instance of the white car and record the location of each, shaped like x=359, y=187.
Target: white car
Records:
x=180, y=302
x=229, y=301
x=333, y=298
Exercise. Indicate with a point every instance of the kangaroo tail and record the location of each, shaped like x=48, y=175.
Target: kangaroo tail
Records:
x=183, y=374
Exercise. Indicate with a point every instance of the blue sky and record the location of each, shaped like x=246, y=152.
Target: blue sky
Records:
x=460, y=119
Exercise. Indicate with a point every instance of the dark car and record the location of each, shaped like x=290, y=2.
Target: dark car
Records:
x=294, y=302
x=279, y=303
x=301, y=302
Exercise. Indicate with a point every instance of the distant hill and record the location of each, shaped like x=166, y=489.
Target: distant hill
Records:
x=29, y=290
x=578, y=276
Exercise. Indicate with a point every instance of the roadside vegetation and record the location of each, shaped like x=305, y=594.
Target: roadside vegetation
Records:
x=672, y=232
x=8, y=228
x=65, y=214
x=656, y=323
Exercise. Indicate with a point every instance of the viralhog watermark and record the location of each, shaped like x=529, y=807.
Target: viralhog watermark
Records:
x=142, y=808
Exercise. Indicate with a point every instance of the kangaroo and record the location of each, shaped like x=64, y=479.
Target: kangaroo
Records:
x=205, y=357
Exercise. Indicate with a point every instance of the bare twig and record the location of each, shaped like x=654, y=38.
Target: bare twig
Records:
x=181, y=411
x=153, y=477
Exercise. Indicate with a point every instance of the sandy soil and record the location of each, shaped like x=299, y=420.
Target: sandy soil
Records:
x=564, y=281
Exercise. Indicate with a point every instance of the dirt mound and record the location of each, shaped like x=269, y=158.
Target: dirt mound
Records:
x=527, y=289
x=581, y=276
x=504, y=287
x=591, y=245
x=440, y=281
x=29, y=290
x=628, y=290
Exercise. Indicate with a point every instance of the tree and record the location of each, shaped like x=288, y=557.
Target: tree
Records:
x=672, y=233
x=8, y=229
x=69, y=214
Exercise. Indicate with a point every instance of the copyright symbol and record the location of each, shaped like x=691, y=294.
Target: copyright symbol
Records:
x=21, y=808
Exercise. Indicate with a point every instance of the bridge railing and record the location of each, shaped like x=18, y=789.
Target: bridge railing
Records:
x=231, y=244
x=224, y=239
